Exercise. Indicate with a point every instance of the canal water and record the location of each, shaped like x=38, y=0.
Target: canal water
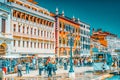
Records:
x=116, y=77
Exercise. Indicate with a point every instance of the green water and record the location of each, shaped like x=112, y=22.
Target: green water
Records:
x=116, y=77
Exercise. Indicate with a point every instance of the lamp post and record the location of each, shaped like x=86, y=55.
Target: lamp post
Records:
x=71, y=42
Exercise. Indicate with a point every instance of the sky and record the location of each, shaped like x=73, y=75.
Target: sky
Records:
x=104, y=14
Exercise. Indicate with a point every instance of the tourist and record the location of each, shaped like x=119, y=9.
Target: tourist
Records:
x=104, y=66
x=19, y=67
x=40, y=66
x=78, y=63
x=27, y=67
x=49, y=68
x=82, y=62
x=65, y=64
x=8, y=66
x=54, y=67
x=34, y=63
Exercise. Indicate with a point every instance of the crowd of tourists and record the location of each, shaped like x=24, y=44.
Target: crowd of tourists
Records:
x=47, y=66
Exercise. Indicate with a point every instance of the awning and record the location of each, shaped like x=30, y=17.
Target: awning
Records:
x=11, y=56
x=46, y=55
x=84, y=54
x=63, y=56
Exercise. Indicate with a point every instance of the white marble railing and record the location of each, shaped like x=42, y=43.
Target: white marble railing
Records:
x=33, y=23
x=60, y=29
x=6, y=35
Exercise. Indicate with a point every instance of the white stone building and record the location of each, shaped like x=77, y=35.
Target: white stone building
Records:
x=85, y=39
x=113, y=44
x=5, y=30
x=32, y=29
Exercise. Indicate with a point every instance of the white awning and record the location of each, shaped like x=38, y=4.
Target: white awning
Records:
x=11, y=56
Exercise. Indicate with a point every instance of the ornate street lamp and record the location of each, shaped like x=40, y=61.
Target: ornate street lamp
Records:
x=71, y=42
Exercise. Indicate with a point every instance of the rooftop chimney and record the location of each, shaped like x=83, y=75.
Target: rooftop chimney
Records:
x=57, y=11
x=63, y=13
x=73, y=18
x=78, y=20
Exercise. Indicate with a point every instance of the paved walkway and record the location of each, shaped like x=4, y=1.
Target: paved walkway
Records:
x=61, y=74
x=59, y=71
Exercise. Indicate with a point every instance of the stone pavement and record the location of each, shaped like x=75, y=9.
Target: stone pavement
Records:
x=61, y=74
x=59, y=71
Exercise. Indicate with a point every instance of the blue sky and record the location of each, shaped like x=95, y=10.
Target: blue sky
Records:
x=103, y=14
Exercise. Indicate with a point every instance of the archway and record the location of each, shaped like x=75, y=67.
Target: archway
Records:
x=3, y=48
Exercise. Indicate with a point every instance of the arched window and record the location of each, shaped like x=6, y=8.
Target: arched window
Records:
x=27, y=30
x=60, y=25
x=27, y=44
x=14, y=43
x=38, y=32
x=31, y=30
x=34, y=31
x=14, y=29
x=63, y=40
x=23, y=29
x=41, y=21
x=18, y=43
x=35, y=45
x=60, y=40
x=2, y=50
x=41, y=33
x=44, y=22
x=19, y=28
x=26, y=17
x=31, y=44
x=38, y=45
x=44, y=33
x=18, y=15
x=23, y=43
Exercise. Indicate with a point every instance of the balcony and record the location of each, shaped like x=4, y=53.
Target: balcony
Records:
x=6, y=35
x=14, y=18
x=18, y=19
x=34, y=36
x=52, y=39
x=21, y=34
x=21, y=20
x=61, y=45
x=30, y=10
x=27, y=21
